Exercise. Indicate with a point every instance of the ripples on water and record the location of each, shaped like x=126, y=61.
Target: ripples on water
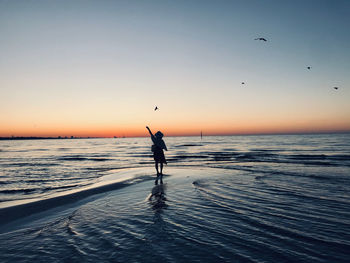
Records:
x=35, y=168
x=267, y=199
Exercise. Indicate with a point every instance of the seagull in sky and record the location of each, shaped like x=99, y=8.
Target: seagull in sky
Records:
x=335, y=88
x=261, y=38
x=156, y=108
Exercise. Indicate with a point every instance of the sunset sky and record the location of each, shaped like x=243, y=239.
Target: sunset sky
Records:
x=98, y=68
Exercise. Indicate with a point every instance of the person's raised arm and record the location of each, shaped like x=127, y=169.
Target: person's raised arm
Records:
x=149, y=130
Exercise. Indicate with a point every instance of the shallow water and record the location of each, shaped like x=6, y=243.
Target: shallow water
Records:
x=235, y=199
x=37, y=168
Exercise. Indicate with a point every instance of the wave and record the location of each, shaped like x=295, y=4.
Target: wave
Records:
x=263, y=173
x=140, y=155
x=264, y=157
x=15, y=191
x=219, y=194
x=307, y=157
x=83, y=159
x=187, y=145
x=105, y=169
x=40, y=189
x=183, y=157
x=46, y=180
x=9, y=212
x=31, y=164
x=64, y=187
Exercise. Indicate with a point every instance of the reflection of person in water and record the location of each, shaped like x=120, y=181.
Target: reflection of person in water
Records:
x=158, y=153
x=157, y=197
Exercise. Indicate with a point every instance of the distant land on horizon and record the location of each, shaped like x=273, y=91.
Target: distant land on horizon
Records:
x=44, y=138
x=121, y=137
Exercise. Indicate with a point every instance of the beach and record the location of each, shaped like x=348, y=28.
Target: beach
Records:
x=224, y=199
x=174, y=131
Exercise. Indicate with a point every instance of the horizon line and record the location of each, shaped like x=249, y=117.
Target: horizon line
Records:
x=12, y=137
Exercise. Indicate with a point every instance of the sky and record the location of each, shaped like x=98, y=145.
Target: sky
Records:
x=99, y=68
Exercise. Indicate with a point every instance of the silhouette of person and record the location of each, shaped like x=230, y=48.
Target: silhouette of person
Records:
x=158, y=153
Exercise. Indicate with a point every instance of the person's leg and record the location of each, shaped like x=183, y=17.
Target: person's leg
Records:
x=156, y=165
x=161, y=172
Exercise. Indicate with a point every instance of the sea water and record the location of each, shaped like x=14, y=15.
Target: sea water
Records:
x=271, y=198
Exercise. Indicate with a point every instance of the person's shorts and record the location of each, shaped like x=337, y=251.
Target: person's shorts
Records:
x=158, y=155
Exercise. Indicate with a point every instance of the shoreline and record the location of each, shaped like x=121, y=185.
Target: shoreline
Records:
x=14, y=212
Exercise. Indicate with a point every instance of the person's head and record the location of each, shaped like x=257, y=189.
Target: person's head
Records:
x=159, y=134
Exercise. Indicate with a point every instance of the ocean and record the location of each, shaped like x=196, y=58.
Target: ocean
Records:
x=270, y=198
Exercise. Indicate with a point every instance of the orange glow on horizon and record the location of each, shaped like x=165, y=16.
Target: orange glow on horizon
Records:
x=179, y=130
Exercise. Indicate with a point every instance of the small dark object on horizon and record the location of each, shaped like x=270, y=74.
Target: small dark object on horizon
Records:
x=309, y=67
x=261, y=38
x=335, y=88
x=243, y=83
x=156, y=108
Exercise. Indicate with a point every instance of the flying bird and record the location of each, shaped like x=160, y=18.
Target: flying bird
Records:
x=309, y=67
x=335, y=88
x=156, y=108
x=261, y=38
x=243, y=83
